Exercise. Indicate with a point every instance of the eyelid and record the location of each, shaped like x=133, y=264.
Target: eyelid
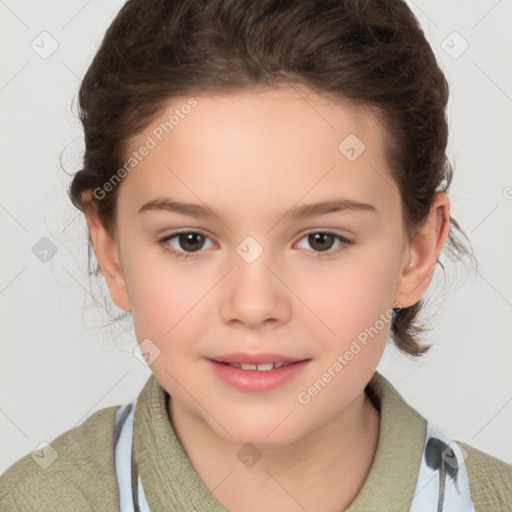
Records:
x=332, y=231
x=344, y=240
x=178, y=232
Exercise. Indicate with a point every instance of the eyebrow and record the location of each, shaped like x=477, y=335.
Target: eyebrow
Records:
x=297, y=212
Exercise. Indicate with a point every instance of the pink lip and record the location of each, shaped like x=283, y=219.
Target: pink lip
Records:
x=247, y=358
x=257, y=381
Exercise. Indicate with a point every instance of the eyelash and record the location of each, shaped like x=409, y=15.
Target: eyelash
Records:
x=186, y=255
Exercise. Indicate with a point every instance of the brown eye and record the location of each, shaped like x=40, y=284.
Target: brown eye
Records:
x=184, y=243
x=321, y=241
x=191, y=241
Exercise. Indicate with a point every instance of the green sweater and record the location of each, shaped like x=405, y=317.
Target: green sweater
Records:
x=82, y=477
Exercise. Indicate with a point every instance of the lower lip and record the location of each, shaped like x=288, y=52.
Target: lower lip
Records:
x=254, y=380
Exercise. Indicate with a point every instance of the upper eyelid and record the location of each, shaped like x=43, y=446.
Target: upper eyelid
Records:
x=205, y=233
x=174, y=234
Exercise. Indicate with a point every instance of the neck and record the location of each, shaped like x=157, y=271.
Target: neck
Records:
x=334, y=460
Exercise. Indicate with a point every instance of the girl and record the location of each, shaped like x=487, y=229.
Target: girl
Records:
x=265, y=187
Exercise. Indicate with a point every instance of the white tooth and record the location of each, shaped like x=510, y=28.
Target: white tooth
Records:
x=248, y=366
x=278, y=365
x=265, y=367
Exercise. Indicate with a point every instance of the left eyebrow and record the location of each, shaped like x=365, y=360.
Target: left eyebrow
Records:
x=332, y=206
x=303, y=211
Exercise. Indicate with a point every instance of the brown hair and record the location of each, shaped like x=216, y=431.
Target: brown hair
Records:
x=372, y=53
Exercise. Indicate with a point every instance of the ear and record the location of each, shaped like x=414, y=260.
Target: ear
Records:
x=107, y=254
x=424, y=249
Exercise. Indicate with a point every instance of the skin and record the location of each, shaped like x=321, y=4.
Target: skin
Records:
x=254, y=155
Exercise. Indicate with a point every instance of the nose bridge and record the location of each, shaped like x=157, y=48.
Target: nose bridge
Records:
x=250, y=250
x=254, y=293
x=253, y=264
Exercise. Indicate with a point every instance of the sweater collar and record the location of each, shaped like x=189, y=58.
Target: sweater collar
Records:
x=170, y=481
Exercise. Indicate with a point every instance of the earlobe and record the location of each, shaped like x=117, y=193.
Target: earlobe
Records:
x=424, y=249
x=107, y=254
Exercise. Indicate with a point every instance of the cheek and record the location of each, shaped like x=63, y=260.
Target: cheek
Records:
x=353, y=311
x=350, y=294
x=350, y=306
x=162, y=295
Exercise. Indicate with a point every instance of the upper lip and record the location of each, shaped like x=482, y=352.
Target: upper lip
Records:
x=261, y=358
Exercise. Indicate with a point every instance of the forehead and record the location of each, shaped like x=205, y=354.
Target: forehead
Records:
x=255, y=148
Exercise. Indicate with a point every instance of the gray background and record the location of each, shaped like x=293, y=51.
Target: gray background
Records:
x=59, y=365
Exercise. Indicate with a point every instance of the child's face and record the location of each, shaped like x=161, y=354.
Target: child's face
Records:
x=254, y=156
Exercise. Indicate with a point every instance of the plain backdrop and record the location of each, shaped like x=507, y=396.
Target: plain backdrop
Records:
x=59, y=364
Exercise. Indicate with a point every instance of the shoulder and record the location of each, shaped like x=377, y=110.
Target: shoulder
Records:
x=490, y=479
x=75, y=471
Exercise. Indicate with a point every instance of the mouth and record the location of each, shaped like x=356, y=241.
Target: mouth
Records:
x=262, y=373
x=263, y=367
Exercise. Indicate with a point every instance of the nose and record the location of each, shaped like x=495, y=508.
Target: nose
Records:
x=253, y=294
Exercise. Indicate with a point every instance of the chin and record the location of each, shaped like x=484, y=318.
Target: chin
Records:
x=264, y=434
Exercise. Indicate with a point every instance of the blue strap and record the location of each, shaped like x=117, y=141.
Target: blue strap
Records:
x=123, y=452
